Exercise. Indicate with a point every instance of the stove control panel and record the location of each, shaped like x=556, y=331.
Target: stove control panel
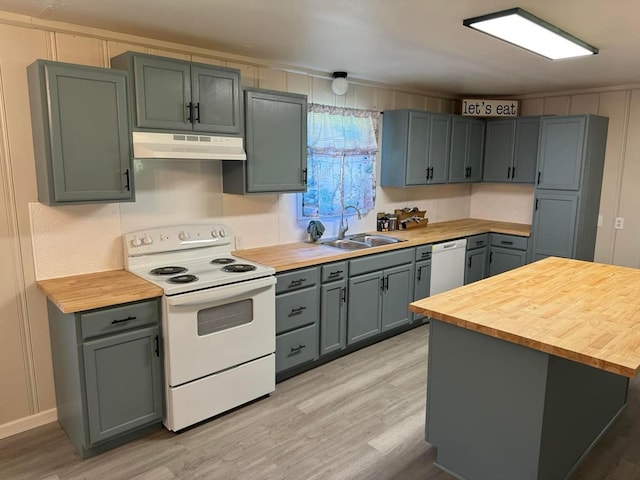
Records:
x=176, y=238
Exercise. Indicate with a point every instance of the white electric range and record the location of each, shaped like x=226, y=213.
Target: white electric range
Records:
x=218, y=318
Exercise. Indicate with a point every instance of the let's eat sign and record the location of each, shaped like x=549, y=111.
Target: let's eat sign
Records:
x=473, y=107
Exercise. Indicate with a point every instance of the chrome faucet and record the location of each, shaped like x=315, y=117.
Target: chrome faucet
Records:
x=344, y=225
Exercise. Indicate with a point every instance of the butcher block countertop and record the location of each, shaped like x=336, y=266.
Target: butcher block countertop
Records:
x=582, y=311
x=78, y=293
x=297, y=255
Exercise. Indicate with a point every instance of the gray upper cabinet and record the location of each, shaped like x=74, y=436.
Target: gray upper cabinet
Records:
x=171, y=94
x=467, y=149
x=567, y=196
x=415, y=148
x=511, y=150
x=276, y=144
x=81, y=134
x=562, y=153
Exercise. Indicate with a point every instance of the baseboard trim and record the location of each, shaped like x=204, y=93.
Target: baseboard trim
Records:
x=27, y=423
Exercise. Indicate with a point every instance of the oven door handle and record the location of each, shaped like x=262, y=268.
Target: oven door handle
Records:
x=222, y=293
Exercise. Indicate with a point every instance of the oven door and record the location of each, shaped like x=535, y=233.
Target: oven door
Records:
x=218, y=328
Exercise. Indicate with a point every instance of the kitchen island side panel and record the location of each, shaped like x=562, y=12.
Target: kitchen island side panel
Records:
x=581, y=402
x=485, y=404
x=497, y=410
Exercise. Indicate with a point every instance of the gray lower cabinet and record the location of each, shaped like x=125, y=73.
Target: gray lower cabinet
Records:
x=333, y=308
x=567, y=195
x=380, y=290
x=415, y=148
x=422, y=279
x=555, y=220
x=108, y=373
x=477, y=258
x=511, y=150
x=81, y=133
x=467, y=149
x=173, y=94
x=276, y=144
x=297, y=318
x=506, y=253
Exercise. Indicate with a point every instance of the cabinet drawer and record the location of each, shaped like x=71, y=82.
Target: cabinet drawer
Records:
x=296, y=347
x=423, y=252
x=477, y=241
x=115, y=319
x=334, y=271
x=380, y=261
x=508, y=241
x=296, y=309
x=297, y=279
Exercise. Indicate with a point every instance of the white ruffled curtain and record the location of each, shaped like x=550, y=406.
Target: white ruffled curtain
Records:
x=341, y=148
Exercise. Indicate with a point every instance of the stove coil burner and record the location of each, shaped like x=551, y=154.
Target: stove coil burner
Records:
x=183, y=279
x=222, y=261
x=167, y=270
x=239, y=267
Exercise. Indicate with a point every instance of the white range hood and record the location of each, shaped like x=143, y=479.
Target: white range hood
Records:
x=187, y=146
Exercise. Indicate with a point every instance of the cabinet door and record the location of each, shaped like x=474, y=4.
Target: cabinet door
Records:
x=422, y=284
x=561, y=152
x=333, y=317
x=215, y=94
x=364, y=307
x=86, y=154
x=498, y=150
x=418, y=148
x=123, y=382
x=476, y=265
x=439, y=148
x=526, y=150
x=475, y=150
x=504, y=259
x=276, y=142
x=397, y=295
x=554, y=223
x=163, y=93
x=458, y=168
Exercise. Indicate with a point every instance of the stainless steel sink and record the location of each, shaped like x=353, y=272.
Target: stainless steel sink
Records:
x=346, y=244
x=374, y=240
x=360, y=241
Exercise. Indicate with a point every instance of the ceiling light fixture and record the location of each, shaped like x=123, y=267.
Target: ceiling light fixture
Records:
x=340, y=85
x=520, y=28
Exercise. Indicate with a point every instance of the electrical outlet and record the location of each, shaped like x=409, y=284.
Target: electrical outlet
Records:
x=619, y=225
x=239, y=242
x=600, y=221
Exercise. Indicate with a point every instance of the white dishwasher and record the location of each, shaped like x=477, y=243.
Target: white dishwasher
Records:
x=447, y=265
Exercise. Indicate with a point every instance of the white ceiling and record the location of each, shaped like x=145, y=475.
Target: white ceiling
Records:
x=417, y=44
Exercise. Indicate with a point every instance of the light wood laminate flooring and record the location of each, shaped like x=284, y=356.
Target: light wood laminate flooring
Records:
x=358, y=417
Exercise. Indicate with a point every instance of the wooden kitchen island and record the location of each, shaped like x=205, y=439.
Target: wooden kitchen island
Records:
x=529, y=368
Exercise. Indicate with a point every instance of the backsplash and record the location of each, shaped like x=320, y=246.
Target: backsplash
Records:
x=75, y=239
x=87, y=238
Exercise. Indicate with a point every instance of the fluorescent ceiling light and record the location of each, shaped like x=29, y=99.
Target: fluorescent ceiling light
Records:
x=525, y=30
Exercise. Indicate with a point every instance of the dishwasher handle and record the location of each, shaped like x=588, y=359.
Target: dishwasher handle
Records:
x=453, y=245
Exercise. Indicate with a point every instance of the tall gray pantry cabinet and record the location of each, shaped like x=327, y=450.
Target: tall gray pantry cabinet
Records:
x=107, y=365
x=567, y=196
x=81, y=133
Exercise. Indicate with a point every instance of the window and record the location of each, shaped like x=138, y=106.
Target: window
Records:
x=341, y=162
